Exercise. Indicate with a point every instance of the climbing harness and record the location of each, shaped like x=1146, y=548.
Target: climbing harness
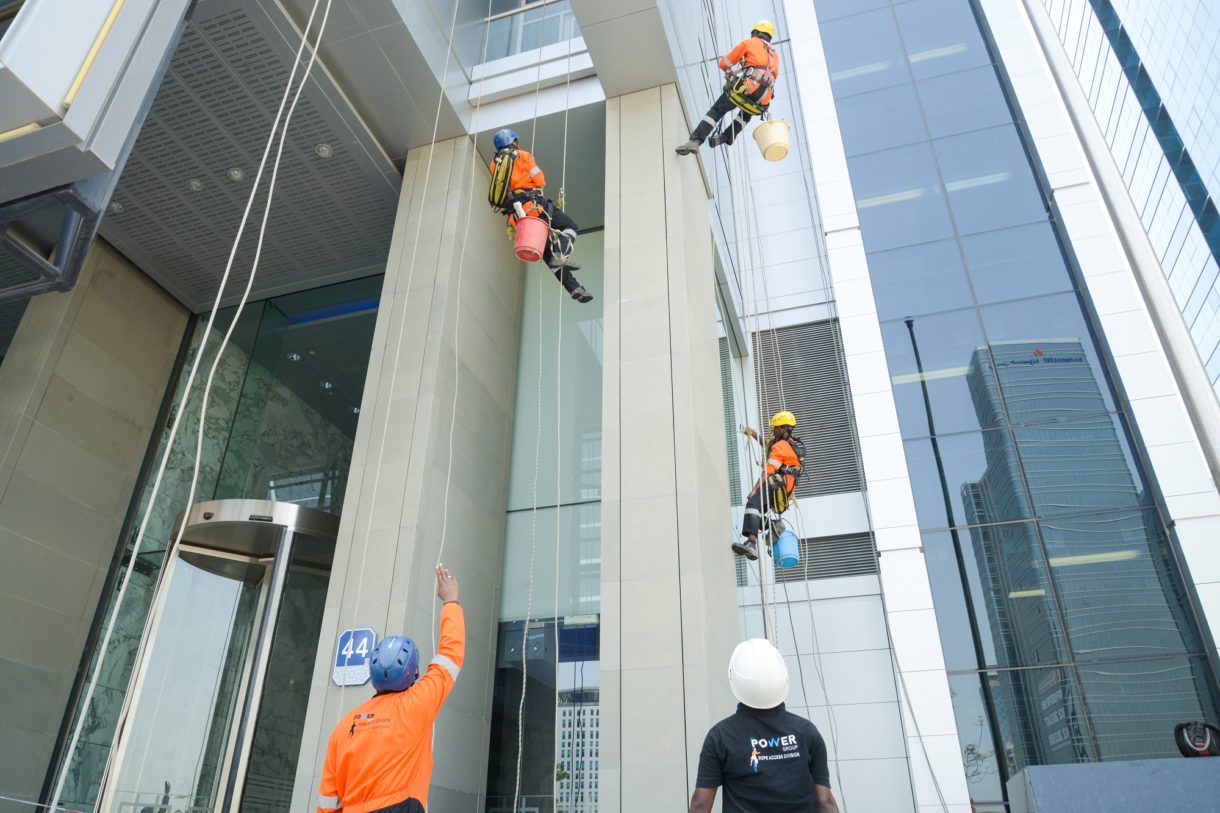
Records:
x=748, y=86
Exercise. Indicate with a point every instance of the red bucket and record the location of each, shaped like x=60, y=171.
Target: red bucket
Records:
x=530, y=239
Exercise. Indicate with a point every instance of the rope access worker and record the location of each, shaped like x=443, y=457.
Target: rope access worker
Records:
x=765, y=757
x=517, y=179
x=379, y=758
x=785, y=459
x=751, y=70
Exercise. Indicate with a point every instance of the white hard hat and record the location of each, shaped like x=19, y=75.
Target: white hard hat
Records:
x=758, y=674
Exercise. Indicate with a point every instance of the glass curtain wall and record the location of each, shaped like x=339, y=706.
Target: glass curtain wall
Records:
x=546, y=697
x=1064, y=624
x=280, y=426
x=1150, y=72
x=519, y=26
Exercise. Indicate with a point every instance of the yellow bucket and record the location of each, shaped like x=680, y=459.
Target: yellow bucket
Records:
x=772, y=139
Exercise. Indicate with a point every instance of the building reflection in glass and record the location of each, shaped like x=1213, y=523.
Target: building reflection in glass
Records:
x=1087, y=582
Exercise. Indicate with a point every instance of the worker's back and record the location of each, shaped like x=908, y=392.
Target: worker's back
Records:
x=380, y=754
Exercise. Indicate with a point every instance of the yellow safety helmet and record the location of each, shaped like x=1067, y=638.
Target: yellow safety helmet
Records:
x=764, y=27
x=783, y=418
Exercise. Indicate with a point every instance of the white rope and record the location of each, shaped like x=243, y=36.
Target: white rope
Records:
x=398, y=342
x=529, y=605
x=74, y=741
x=559, y=297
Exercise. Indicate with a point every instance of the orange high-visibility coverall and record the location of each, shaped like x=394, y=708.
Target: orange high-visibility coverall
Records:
x=754, y=52
x=526, y=175
x=380, y=754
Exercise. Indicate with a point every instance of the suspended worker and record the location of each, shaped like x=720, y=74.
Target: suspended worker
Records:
x=379, y=758
x=765, y=757
x=517, y=180
x=750, y=71
x=785, y=456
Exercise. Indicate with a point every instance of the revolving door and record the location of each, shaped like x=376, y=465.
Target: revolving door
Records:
x=216, y=705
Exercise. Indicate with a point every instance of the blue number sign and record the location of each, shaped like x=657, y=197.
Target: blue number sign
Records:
x=352, y=657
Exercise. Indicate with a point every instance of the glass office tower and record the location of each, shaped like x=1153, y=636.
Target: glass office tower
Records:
x=1037, y=522
x=1150, y=72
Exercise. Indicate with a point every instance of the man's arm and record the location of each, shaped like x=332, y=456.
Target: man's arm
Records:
x=329, y=793
x=701, y=800
x=431, y=690
x=826, y=800
x=733, y=57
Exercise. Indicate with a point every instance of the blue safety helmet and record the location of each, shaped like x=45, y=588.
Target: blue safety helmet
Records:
x=503, y=138
x=394, y=665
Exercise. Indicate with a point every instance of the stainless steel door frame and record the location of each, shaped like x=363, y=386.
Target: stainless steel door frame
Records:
x=257, y=532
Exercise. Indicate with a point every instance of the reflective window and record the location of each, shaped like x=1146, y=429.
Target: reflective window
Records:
x=864, y=52
x=527, y=25
x=988, y=180
x=880, y=119
x=1060, y=607
x=1014, y=263
x=919, y=280
x=962, y=102
x=899, y=197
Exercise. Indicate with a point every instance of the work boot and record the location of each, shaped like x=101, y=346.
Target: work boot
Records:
x=715, y=140
x=688, y=147
x=747, y=548
x=581, y=295
x=564, y=264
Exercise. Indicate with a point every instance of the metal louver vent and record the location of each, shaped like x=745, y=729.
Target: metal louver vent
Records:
x=832, y=557
x=730, y=423
x=815, y=389
x=742, y=572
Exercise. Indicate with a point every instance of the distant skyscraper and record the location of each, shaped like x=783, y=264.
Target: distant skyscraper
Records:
x=1074, y=586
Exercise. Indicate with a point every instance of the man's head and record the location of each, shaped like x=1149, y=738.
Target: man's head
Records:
x=764, y=29
x=394, y=665
x=782, y=423
x=505, y=138
x=758, y=674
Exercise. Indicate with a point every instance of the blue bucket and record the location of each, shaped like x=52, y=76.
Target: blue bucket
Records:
x=787, y=551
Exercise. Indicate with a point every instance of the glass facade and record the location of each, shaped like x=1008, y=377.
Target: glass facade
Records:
x=1064, y=625
x=280, y=426
x=518, y=26
x=546, y=695
x=1151, y=73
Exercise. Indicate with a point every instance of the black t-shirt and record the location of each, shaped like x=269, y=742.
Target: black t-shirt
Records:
x=767, y=761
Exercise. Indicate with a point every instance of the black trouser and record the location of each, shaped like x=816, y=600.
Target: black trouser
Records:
x=564, y=233
x=715, y=114
x=411, y=805
x=752, y=523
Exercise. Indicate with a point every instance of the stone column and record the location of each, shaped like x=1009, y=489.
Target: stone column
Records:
x=669, y=602
x=390, y=535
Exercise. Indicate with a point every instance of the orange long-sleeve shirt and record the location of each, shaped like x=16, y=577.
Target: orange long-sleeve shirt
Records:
x=754, y=52
x=380, y=754
x=526, y=175
x=781, y=453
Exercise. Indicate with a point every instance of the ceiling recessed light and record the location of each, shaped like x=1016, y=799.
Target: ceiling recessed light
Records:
x=294, y=356
x=324, y=150
x=117, y=208
x=326, y=385
x=236, y=174
x=195, y=184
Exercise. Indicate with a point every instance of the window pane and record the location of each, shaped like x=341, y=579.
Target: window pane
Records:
x=1112, y=576
x=1045, y=361
x=880, y=119
x=579, y=533
x=941, y=36
x=899, y=198
x=1017, y=262
x=919, y=279
x=988, y=180
x=985, y=768
x=830, y=9
x=969, y=463
x=1131, y=705
x=964, y=101
x=864, y=53
x=946, y=342
x=1040, y=717
x=1078, y=466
